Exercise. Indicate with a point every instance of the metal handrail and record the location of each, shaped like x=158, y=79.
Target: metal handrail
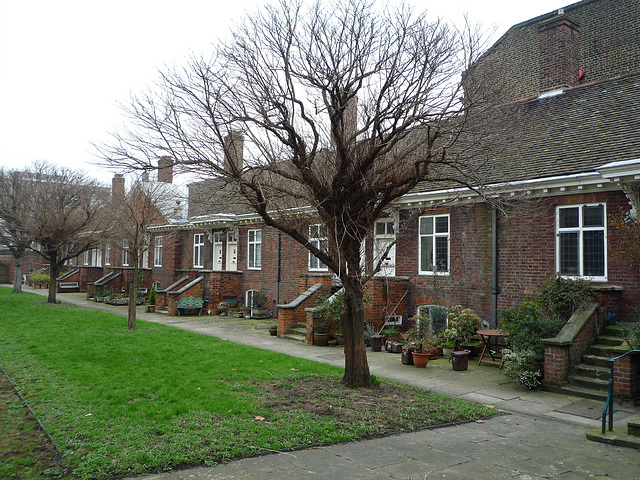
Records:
x=608, y=407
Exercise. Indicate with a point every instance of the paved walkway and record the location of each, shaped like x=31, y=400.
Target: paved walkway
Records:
x=543, y=435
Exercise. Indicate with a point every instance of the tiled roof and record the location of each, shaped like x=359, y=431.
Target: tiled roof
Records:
x=573, y=132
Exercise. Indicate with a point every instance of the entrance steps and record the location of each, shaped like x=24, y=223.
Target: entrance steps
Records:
x=590, y=378
x=297, y=333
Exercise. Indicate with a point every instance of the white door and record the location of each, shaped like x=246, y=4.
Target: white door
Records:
x=217, y=251
x=232, y=252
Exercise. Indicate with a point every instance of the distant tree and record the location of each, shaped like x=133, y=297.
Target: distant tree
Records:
x=16, y=192
x=129, y=218
x=343, y=108
x=64, y=216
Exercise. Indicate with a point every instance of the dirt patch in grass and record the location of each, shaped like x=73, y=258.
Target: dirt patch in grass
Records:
x=387, y=409
x=25, y=451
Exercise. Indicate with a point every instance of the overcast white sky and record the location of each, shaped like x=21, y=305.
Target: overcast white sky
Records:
x=66, y=64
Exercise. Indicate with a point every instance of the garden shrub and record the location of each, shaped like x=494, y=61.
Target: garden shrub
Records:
x=40, y=278
x=560, y=297
x=518, y=365
x=632, y=332
x=527, y=326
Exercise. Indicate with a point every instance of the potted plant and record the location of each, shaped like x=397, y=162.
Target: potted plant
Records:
x=448, y=341
x=391, y=334
x=273, y=330
x=152, y=299
x=222, y=308
x=100, y=295
x=423, y=341
x=465, y=323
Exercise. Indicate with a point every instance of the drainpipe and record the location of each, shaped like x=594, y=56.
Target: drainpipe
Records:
x=278, y=272
x=495, y=288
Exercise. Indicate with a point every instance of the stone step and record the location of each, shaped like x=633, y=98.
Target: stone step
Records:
x=615, y=330
x=581, y=392
x=588, y=383
x=596, y=361
x=608, y=351
x=592, y=371
x=298, y=331
x=617, y=437
x=610, y=340
x=293, y=337
x=633, y=427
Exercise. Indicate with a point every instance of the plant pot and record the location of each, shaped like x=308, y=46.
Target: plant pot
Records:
x=407, y=357
x=420, y=360
x=273, y=331
x=460, y=360
x=99, y=299
x=152, y=308
x=246, y=312
x=472, y=348
x=260, y=312
x=376, y=343
x=447, y=351
x=321, y=339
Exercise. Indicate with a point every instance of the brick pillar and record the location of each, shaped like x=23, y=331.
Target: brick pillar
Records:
x=556, y=363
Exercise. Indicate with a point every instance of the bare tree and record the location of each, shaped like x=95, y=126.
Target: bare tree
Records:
x=129, y=218
x=16, y=188
x=344, y=108
x=63, y=216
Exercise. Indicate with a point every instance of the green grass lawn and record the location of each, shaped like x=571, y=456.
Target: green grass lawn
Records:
x=119, y=402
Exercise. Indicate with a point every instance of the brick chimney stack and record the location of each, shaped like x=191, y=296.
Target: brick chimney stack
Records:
x=117, y=187
x=165, y=169
x=234, y=150
x=559, y=52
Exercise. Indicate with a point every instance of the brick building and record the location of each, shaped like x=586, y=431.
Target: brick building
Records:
x=567, y=156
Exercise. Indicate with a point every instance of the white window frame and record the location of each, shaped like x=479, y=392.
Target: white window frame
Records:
x=254, y=249
x=157, y=250
x=198, y=250
x=580, y=231
x=125, y=253
x=318, y=238
x=107, y=254
x=86, y=258
x=437, y=237
x=430, y=313
x=249, y=298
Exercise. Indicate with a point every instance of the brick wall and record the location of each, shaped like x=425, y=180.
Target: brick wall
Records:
x=469, y=281
x=388, y=296
x=608, y=47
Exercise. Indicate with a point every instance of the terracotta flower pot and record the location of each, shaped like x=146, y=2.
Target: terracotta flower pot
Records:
x=420, y=360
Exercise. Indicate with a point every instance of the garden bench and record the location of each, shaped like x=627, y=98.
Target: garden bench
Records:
x=190, y=303
x=69, y=285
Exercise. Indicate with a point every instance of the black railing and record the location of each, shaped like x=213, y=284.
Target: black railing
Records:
x=608, y=407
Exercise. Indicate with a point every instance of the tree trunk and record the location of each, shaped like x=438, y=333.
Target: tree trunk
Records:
x=17, y=277
x=133, y=296
x=356, y=367
x=53, y=274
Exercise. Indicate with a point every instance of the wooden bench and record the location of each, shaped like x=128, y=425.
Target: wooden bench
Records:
x=190, y=303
